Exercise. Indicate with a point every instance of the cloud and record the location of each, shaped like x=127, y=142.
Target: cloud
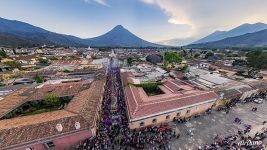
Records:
x=205, y=16
x=174, y=21
x=101, y=2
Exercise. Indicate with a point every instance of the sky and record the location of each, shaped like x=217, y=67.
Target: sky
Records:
x=152, y=20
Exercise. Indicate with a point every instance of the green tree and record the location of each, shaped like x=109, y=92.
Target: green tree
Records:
x=66, y=71
x=3, y=53
x=104, y=49
x=196, y=55
x=151, y=88
x=42, y=61
x=38, y=79
x=172, y=57
x=240, y=72
x=239, y=62
x=257, y=60
x=209, y=54
x=185, y=69
x=130, y=61
x=13, y=64
x=52, y=100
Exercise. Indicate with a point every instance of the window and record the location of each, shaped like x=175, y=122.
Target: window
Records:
x=168, y=117
x=188, y=111
x=154, y=120
x=178, y=114
x=142, y=124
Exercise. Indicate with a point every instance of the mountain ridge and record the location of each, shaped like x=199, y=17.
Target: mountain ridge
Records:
x=237, y=31
x=24, y=33
x=256, y=39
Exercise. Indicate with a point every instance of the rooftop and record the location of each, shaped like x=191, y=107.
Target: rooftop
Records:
x=82, y=110
x=23, y=95
x=177, y=94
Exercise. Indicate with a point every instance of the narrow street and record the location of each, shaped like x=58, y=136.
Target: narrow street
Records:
x=113, y=132
x=114, y=121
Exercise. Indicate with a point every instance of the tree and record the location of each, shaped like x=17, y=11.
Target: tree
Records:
x=239, y=62
x=13, y=64
x=196, y=55
x=209, y=54
x=185, y=69
x=130, y=61
x=172, y=57
x=66, y=71
x=257, y=60
x=42, y=61
x=240, y=72
x=38, y=79
x=52, y=100
x=104, y=49
x=3, y=53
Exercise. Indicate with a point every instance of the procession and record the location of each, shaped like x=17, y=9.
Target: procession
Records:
x=113, y=131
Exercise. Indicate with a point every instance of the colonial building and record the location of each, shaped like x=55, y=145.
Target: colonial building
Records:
x=179, y=99
x=59, y=129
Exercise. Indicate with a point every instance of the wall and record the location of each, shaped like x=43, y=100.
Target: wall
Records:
x=162, y=118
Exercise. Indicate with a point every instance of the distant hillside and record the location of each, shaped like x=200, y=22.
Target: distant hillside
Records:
x=7, y=39
x=247, y=40
x=240, y=30
x=16, y=33
x=33, y=34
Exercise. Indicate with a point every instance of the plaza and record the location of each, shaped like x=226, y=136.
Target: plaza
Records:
x=206, y=127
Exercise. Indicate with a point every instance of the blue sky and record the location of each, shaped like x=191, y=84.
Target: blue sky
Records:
x=89, y=18
x=153, y=20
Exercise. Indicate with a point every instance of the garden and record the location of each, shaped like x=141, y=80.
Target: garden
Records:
x=50, y=103
x=152, y=88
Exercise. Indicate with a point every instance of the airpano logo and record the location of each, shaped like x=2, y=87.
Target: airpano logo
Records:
x=249, y=143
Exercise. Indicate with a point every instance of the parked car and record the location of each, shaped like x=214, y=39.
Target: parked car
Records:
x=258, y=100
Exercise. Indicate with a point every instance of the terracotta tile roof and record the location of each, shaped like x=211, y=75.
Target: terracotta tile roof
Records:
x=26, y=57
x=34, y=119
x=12, y=101
x=38, y=127
x=245, y=89
x=60, y=90
x=260, y=85
x=87, y=98
x=181, y=95
x=164, y=105
x=82, y=108
x=230, y=93
x=66, y=62
x=42, y=72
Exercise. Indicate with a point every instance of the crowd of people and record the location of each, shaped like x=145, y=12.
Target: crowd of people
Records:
x=239, y=141
x=113, y=131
